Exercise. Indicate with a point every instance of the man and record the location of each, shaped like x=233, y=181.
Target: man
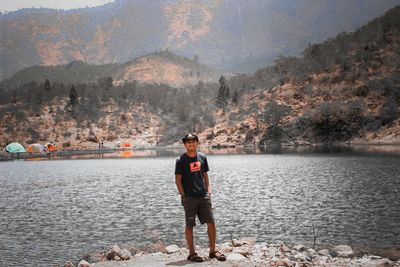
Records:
x=192, y=181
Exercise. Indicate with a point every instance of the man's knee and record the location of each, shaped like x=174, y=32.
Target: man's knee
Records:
x=211, y=225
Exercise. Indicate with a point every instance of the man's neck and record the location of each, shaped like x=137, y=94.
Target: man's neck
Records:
x=191, y=153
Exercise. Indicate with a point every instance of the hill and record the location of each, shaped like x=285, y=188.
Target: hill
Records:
x=235, y=35
x=159, y=67
x=345, y=89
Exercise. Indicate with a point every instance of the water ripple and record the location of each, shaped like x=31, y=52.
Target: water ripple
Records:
x=52, y=211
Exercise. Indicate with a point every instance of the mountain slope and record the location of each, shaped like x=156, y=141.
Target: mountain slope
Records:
x=236, y=35
x=160, y=67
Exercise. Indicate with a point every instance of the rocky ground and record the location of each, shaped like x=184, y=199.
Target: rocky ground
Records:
x=239, y=253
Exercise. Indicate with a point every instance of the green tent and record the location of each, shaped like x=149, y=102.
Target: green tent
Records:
x=15, y=148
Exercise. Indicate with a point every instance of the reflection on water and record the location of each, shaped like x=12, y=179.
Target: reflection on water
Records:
x=52, y=211
x=166, y=152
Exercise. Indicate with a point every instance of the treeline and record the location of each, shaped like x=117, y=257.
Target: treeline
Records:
x=180, y=109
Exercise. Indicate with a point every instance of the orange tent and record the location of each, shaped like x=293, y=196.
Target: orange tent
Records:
x=35, y=148
x=51, y=147
x=126, y=145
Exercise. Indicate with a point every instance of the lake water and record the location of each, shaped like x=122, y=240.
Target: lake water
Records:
x=56, y=210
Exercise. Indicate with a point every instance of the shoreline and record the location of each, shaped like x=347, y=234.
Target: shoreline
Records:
x=5, y=156
x=240, y=253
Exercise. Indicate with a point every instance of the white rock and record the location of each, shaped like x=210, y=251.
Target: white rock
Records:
x=83, y=263
x=226, y=247
x=172, y=249
x=323, y=252
x=343, y=251
x=235, y=257
x=374, y=257
x=68, y=264
x=245, y=250
x=311, y=251
x=125, y=254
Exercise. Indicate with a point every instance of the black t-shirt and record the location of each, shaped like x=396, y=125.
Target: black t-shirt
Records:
x=192, y=169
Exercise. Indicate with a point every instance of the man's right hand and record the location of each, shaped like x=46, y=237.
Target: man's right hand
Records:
x=183, y=200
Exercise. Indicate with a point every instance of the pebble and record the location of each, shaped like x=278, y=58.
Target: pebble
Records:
x=83, y=263
x=323, y=252
x=343, y=251
x=235, y=257
x=172, y=249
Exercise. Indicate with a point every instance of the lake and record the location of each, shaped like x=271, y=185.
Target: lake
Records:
x=58, y=210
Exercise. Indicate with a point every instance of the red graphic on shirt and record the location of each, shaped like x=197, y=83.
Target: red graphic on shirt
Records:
x=195, y=166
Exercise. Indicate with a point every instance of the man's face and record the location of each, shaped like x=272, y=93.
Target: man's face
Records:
x=191, y=145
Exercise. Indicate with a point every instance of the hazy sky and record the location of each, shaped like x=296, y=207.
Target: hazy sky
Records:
x=12, y=5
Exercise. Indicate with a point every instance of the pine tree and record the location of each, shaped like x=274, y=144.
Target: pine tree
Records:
x=224, y=93
x=235, y=96
x=47, y=85
x=73, y=95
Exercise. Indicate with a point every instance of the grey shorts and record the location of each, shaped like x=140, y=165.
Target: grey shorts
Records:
x=200, y=206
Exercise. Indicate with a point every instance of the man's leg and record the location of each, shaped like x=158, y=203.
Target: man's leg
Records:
x=189, y=239
x=212, y=234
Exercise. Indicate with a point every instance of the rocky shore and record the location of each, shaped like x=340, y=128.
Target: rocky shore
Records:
x=239, y=253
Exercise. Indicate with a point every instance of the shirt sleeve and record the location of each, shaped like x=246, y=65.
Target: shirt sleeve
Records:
x=178, y=168
x=205, y=165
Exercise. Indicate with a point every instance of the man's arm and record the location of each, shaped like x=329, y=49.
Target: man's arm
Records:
x=178, y=181
x=207, y=182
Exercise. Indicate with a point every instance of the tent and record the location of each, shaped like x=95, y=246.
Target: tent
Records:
x=51, y=147
x=35, y=148
x=15, y=148
x=126, y=145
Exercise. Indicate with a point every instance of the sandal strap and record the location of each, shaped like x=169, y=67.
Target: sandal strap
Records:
x=195, y=257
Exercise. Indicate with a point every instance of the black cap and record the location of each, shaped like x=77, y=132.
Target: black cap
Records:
x=190, y=136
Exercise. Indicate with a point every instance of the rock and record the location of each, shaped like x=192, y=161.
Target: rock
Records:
x=245, y=251
x=227, y=247
x=83, y=263
x=284, y=249
x=380, y=263
x=133, y=250
x=323, y=260
x=235, y=257
x=301, y=257
x=69, y=264
x=311, y=251
x=282, y=263
x=117, y=258
x=343, y=251
x=95, y=256
x=114, y=251
x=300, y=248
x=172, y=249
x=117, y=254
x=323, y=252
x=374, y=257
x=125, y=254
x=239, y=243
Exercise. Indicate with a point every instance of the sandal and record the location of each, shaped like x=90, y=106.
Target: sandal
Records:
x=218, y=255
x=196, y=258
